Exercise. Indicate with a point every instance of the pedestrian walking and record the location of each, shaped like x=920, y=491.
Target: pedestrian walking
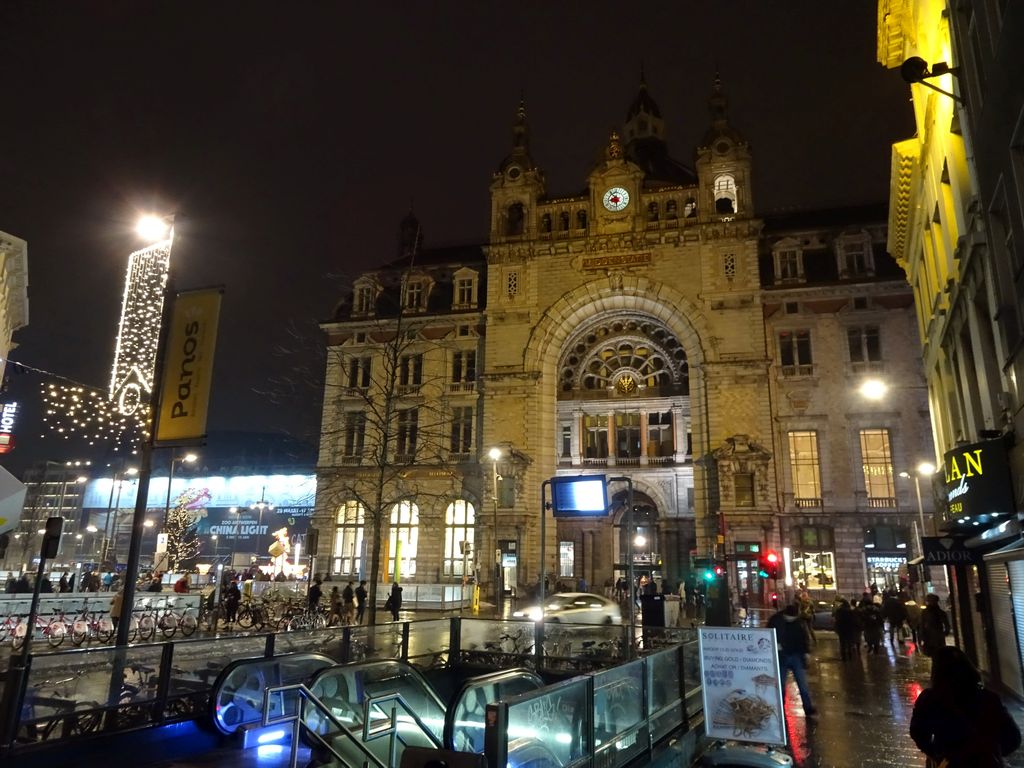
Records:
x=62, y=585
x=913, y=618
x=872, y=623
x=232, y=597
x=360, y=601
x=934, y=626
x=847, y=626
x=794, y=647
x=116, y=605
x=315, y=593
x=337, y=609
x=895, y=613
x=394, y=601
x=956, y=722
x=348, y=599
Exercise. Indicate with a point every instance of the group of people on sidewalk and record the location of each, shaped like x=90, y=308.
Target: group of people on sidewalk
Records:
x=865, y=622
x=956, y=722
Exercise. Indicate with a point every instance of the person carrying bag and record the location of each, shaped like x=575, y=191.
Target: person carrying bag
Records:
x=957, y=723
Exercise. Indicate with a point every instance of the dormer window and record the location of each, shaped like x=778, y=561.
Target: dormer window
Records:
x=854, y=256
x=364, y=298
x=414, y=295
x=725, y=194
x=465, y=285
x=789, y=262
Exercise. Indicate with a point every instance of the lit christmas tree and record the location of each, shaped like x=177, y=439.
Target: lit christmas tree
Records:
x=182, y=539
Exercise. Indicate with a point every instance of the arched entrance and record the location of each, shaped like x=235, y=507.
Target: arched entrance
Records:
x=647, y=538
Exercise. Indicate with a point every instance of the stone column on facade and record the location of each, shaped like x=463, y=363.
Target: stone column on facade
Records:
x=576, y=438
x=643, y=438
x=679, y=434
x=611, y=438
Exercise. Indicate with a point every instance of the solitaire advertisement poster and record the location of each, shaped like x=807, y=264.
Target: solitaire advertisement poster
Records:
x=742, y=689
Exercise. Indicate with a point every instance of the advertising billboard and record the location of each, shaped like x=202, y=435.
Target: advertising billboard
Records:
x=580, y=496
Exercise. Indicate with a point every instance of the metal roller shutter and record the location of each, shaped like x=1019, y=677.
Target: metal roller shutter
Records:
x=1016, y=569
x=1003, y=627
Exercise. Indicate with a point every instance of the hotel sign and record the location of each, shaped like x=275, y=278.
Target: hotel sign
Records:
x=977, y=480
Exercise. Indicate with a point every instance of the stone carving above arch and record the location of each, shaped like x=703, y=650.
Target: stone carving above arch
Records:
x=637, y=296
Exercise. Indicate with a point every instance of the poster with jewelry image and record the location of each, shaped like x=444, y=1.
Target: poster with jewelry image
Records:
x=742, y=689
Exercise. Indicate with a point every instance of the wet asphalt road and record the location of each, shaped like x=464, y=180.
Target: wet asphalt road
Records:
x=864, y=708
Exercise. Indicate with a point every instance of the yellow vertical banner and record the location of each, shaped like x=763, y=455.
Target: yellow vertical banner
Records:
x=188, y=366
x=398, y=561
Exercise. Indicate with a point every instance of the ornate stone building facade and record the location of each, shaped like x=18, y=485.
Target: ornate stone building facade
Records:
x=640, y=329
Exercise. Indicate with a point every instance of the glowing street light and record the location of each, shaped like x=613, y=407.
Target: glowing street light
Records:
x=873, y=389
x=924, y=469
x=152, y=228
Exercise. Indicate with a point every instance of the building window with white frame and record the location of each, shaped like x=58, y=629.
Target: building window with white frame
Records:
x=876, y=459
x=403, y=538
x=865, y=346
x=408, y=432
x=414, y=295
x=805, y=468
x=355, y=434
x=464, y=291
x=364, y=299
x=725, y=194
x=595, y=436
x=348, y=539
x=788, y=265
x=410, y=371
x=462, y=430
x=795, y=353
x=460, y=527
x=855, y=258
x=359, y=372
x=464, y=366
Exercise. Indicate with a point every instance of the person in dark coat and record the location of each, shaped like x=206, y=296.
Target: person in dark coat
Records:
x=895, y=612
x=232, y=598
x=934, y=626
x=846, y=626
x=361, y=596
x=794, y=646
x=956, y=722
x=394, y=602
x=872, y=622
x=314, y=594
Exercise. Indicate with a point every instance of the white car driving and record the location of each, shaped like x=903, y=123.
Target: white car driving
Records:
x=574, y=608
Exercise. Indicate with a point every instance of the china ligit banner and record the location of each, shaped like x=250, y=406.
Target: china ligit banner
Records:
x=188, y=366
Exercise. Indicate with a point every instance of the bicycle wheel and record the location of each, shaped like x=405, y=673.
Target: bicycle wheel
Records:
x=55, y=632
x=188, y=624
x=104, y=630
x=79, y=632
x=133, y=629
x=147, y=626
x=168, y=624
x=244, y=617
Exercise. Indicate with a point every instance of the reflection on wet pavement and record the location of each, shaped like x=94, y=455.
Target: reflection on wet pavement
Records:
x=864, y=707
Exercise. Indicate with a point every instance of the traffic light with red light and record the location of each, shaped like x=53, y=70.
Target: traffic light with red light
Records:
x=768, y=565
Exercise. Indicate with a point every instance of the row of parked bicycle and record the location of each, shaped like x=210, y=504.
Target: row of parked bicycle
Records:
x=147, y=624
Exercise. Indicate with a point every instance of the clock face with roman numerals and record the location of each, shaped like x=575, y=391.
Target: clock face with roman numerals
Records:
x=616, y=198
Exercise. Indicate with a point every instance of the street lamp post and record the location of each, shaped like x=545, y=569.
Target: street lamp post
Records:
x=495, y=454
x=187, y=458
x=234, y=539
x=927, y=469
x=111, y=526
x=261, y=505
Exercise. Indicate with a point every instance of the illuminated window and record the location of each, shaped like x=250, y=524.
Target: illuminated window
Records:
x=804, y=466
x=627, y=435
x=403, y=538
x=876, y=456
x=460, y=524
x=725, y=194
x=660, y=439
x=814, y=561
x=566, y=558
x=348, y=539
x=795, y=353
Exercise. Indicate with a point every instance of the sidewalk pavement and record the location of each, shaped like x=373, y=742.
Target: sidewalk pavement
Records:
x=864, y=707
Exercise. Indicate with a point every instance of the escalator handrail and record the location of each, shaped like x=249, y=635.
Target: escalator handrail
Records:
x=472, y=682
x=405, y=667
x=307, y=695
x=372, y=732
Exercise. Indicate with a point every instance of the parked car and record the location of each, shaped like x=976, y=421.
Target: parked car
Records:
x=574, y=608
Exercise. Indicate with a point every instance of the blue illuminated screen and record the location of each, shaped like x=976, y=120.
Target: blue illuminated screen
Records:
x=580, y=496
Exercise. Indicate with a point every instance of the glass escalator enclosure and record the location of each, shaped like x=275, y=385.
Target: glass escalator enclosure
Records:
x=238, y=691
x=464, y=726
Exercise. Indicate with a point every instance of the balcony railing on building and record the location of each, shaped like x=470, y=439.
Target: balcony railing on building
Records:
x=461, y=386
x=797, y=370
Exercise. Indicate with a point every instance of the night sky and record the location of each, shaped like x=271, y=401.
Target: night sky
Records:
x=289, y=139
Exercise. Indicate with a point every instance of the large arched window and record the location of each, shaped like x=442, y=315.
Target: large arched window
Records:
x=404, y=537
x=459, y=521
x=348, y=539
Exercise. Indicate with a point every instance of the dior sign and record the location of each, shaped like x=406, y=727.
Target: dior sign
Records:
x=946, y=550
